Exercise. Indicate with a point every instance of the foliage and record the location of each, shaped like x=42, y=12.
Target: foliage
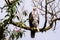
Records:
x=11, y=9
x=18, y=33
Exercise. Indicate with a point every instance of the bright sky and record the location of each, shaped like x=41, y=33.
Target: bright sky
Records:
x=49, y=35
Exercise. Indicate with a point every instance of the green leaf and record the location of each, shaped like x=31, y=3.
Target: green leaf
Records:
x=24, y=31
x=6, y=15
x=18, y=3
x=24, y=13
x=20, y=33
x=12, y=36
x=17, y=36
x=26, y=20
x=17, y=17
x=1, y=19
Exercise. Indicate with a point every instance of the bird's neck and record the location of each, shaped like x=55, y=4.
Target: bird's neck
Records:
x=34, y=12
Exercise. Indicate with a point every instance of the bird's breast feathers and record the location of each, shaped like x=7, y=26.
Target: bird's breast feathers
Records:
x=35, y=15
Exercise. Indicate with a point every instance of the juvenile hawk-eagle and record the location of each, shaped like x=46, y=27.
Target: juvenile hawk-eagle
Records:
x=33, y=20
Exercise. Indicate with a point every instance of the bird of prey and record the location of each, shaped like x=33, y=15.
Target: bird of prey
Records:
x=33, y=20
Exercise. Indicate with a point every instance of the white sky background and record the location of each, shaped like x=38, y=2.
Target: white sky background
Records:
x=49, y=35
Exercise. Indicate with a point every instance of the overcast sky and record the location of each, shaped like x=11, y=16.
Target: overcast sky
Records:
x=49, y=35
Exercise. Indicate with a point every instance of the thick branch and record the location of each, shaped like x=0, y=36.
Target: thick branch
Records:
x=51, y=24
x=45, y=16
x=35, y=29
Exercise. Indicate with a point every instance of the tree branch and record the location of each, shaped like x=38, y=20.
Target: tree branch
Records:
x=18, y=24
